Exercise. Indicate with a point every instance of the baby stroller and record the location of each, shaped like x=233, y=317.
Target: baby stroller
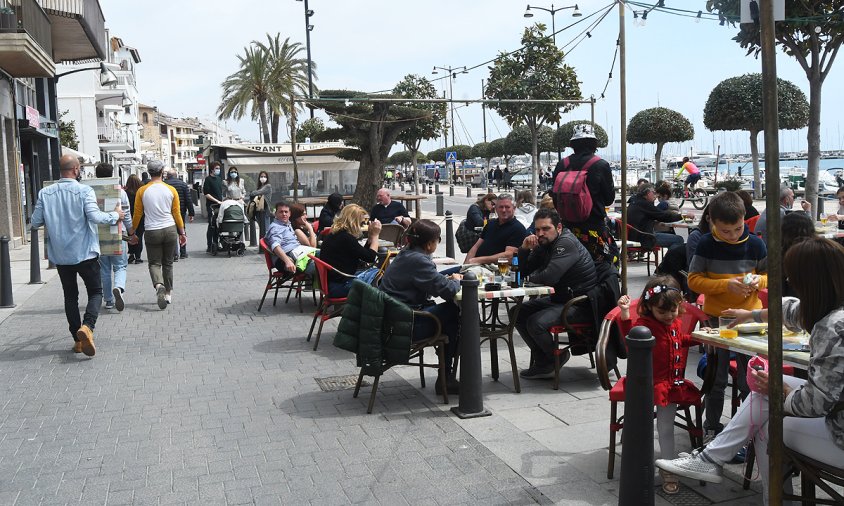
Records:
x=228, y=234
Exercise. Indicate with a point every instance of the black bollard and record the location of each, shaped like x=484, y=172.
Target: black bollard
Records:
x=471, y=392
x=437, y=188
x=253, y=240
x=6, y=299
x=451, y=190
x=430, y=188
x=440, y=204
x=34, y=258
x=469, y=191
x=637, y=450
x=449, y=235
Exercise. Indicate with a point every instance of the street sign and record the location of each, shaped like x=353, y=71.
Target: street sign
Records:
x=451, y=156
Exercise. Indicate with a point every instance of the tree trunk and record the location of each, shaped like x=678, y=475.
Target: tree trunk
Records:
x=274, y=126
x=368, y=181
x=413, y=168
x=757, y=177
x=658, y=160
x=262, y=116
x=814, y=140
x=293, y=149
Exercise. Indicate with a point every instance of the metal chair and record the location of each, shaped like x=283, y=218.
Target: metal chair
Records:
x=814, y=474
x=391, y=232
x=278, y=280
x=328, y=307
x=643, y=251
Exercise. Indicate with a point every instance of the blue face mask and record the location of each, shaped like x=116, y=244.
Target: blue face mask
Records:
x=216, y=172
x=232, y=175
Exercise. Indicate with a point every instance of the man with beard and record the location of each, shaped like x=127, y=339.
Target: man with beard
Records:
x=552, y=256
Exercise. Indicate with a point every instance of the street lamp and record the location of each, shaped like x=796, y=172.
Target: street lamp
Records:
x=553, y=11
x=107, y=77
x=308, y=28
x=452, y=74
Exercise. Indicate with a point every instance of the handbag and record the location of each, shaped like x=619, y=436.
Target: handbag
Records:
x=466, y=237
x=251, y=208
x=259, y=203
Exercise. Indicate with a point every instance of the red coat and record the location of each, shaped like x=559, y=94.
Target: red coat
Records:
x=670, y=351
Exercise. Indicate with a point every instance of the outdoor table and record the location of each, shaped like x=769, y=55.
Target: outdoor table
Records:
x=444, y=261
x=683, y=224
x=755, y=344
x=493, y=328
x=417, y=199
x=829, y=231
x=316, y=202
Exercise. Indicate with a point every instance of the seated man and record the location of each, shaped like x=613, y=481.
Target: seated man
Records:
x=386, y=210
x=786, y=203
x=501, y=237
x=643, y=214
x=282, y=240
x=554, y=257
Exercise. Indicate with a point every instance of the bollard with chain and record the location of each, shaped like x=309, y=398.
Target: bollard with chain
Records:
x=440, y=204
x=637, y=450
x=6, y=299
x=253, y=240
x=34, y=258
x=471, y=392
x=449, y=235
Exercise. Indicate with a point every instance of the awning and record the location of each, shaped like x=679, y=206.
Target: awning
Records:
x=82, y=157
x=285, y=163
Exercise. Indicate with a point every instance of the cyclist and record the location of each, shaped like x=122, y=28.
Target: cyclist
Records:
x=694, y=175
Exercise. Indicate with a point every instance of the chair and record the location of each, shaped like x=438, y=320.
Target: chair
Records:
x=578, y=334
x=751, y=223
x=328, y=307
x=643, y=251
x=683, y=418
x=277, y=280
x=391, y=232
x=417, y=352
x=812, y=474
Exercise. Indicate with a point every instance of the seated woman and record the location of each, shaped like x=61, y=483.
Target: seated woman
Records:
x=525, y=207
x=330, y=210
x=341, y=249
x=301, y=226
x=663, y=197
x=642, y=214
x=479, y=212
x=815, y=423
x=412, y=278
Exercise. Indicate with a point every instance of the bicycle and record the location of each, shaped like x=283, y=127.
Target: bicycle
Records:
x=697, y=196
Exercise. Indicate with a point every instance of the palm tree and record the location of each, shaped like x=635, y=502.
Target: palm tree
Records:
x=288, y=77
x=249, y=87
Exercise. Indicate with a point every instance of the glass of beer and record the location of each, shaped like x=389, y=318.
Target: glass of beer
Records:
x=824, y=218
x=723, y=331
x=503, y=267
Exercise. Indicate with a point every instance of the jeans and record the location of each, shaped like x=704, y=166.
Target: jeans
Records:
x=535, y=318
x=210, y=236
x=89, y=271
x=668, y=240
x=449, y=314
x=113, y=264
x=182, y=251
x=160, y=247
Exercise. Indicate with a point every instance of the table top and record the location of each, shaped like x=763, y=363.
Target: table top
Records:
x=754, y=344
x=683, y=224
x=318, y=201
x=525, y=291
x=829, y=231
x=408, y=197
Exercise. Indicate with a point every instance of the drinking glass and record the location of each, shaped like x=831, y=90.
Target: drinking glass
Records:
x=503, y=266
x=723, y=331
x=824, y=218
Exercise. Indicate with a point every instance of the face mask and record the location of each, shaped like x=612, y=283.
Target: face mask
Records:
x=262, y=179
x=216, y=172
x=232, y=175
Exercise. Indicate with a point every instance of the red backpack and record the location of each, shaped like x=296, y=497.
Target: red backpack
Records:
x=573, y=200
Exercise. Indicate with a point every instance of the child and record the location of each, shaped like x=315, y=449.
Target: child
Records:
x=726, y=268
x=659, y=310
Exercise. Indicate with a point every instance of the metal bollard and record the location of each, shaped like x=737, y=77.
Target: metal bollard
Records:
x=471, y=392
x=6, y=299
x=449, y=235
x=253, y=240
x=430, y=188
x=469, y=191
x=440, y=204
x=637, y=450
x=437, y=188
x=34, y=258
x=450, y=190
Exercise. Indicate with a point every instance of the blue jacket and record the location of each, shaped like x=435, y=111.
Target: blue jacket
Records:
x=69, y=211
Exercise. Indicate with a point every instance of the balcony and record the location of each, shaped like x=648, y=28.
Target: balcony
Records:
x=125, y=78
x=78, y=28
x=26, y=44
x=113, y=139
x=187, y=137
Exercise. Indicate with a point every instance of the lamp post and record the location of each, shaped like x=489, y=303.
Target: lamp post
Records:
x=553, y=12
x=452, y=74
x=308, y=28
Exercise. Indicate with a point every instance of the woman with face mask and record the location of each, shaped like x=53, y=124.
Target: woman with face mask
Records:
x=233, y=186
x=263, y=215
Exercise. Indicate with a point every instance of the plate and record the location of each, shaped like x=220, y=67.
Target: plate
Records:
x=751, y=328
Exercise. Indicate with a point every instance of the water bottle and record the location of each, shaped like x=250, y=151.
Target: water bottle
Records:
x=517, y=275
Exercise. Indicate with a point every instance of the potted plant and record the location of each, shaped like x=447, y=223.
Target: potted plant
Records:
x=8, y=19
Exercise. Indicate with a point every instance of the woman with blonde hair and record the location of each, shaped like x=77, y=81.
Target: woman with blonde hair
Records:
x=341, y=249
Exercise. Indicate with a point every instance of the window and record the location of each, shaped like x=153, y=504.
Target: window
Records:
x=146, y=118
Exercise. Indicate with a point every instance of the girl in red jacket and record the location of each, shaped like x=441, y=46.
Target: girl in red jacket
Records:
x=659, y=310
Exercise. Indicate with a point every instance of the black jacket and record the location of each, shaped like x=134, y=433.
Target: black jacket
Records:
x=185, y=201
x=642, y=214
x=566, y=265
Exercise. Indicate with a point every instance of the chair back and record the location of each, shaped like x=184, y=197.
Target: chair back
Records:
x=391, y=232
x=322, y=269
x=691, y=317
x=751, y=223
x=315, y=225
x=609, y=326
x=268, y=258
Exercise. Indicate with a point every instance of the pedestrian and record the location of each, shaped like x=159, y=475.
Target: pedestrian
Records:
x=437, y=175
x=69, y=211
x=185, y=206
x=115, y=265
x=133, y=184
x=263, y=197
x=212, y=188
x=158, y=203
x=233, y=188
x=498, y=176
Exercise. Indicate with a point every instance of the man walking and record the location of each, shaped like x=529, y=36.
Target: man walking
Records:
x=115, y=264
x=212, y=188
x=158, y=203
x=70, y=213
x=185, y=203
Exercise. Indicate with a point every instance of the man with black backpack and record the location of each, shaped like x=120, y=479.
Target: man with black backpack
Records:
x=583, y=189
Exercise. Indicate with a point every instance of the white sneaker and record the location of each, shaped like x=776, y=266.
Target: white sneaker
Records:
x=692, y=466
x=160, y=295
x=118, y=298
x=169, y=298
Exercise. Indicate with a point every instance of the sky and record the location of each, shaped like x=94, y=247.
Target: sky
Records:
x=188, y=47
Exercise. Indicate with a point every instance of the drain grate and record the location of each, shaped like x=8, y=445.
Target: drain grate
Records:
x=337, y=383
x=685, y=497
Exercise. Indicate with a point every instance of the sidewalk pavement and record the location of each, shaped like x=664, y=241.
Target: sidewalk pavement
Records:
x=211, y=401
